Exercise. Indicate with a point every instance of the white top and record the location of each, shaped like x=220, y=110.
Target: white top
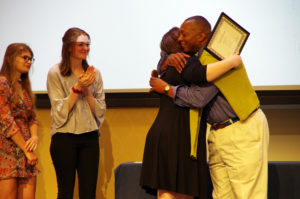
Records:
x=80, y=119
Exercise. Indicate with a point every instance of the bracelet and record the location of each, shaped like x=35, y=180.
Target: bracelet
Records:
x=76, y=90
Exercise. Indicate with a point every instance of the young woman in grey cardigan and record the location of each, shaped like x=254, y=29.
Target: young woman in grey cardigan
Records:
x=78, y=105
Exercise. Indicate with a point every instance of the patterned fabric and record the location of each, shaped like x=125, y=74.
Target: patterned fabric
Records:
x=18, y=118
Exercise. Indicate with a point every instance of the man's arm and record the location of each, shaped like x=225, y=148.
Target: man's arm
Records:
x=196, y=96
x=177, y=60
x=185, y=96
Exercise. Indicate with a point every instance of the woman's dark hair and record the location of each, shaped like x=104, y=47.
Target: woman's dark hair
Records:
x=169, y=42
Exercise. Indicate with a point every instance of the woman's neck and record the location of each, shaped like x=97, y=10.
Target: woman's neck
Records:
x=76, y=66
x=16, y=77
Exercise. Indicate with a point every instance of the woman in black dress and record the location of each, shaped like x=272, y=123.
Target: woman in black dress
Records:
x=167, y=164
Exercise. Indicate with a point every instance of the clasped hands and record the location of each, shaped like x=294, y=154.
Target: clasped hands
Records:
x=86, y=79
x=31, y=145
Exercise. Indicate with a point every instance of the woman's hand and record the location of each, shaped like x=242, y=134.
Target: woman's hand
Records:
x=32, y=143
x=154, y=73
x=88, y=78
x=236, y=60
x=32, y=159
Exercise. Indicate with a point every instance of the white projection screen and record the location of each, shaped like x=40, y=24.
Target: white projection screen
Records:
x=125, y=36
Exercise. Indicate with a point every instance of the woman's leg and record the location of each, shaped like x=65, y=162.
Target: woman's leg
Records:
x=26, y=188
x=8, y=188
x=164, y=194
x=88, y=163
x=64, y=156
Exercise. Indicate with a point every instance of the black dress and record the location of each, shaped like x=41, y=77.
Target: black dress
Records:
x=166, y=163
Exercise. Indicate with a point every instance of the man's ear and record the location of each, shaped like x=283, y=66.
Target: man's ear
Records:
x=200, y=39
x=203, y=37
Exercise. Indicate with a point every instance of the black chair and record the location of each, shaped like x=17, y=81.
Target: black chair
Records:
x=283, y=181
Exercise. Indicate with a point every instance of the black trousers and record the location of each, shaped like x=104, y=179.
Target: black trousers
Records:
x=71, y=153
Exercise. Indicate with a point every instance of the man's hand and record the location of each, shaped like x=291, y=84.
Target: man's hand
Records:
x=177, y=60
x=157, y=84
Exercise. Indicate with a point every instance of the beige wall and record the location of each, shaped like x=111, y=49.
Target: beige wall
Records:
x=122, y=140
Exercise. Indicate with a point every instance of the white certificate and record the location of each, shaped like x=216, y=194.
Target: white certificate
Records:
x=227, y=39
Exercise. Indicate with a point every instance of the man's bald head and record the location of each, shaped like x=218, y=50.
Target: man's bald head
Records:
x=201, y=24
x=194, y=33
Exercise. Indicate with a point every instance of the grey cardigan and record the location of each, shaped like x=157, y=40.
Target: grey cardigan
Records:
x=80, y=119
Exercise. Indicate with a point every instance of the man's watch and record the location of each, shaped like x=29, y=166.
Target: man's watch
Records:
x=167, y=88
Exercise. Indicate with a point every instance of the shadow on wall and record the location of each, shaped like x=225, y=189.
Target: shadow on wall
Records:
x=106, y=162
x=46, y=180
x=40, y=153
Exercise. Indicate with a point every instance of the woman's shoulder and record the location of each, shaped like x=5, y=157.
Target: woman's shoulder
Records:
x=97, y=72
x=3, y=80
x=96, y=69
x=4, y=85
x=54, y=70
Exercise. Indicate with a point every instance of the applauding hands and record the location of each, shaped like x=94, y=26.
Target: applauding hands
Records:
x=85, y=80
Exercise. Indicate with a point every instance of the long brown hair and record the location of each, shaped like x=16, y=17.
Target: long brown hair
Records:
x=68, y=40
x=169, y=42
x=9, y=70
